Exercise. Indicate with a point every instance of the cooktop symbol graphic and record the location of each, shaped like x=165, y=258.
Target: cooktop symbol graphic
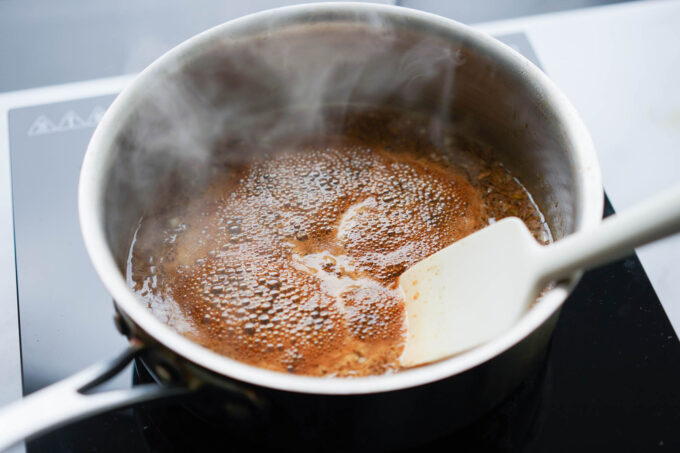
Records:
x=41, y=125
x=68, y=122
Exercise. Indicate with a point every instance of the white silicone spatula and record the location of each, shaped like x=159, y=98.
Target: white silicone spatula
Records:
x=477, y=288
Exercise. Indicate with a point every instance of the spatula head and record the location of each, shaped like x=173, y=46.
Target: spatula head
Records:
x=470, y=292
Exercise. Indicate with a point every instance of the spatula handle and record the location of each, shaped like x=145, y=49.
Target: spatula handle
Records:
x=617, y=236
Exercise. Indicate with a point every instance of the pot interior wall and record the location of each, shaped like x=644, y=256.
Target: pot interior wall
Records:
x=217, y=91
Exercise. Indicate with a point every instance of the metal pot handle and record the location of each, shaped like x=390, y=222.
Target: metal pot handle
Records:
x=66, y=401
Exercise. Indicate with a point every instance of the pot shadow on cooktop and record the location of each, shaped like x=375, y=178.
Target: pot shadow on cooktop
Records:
x=168, y=427
x=175, y=427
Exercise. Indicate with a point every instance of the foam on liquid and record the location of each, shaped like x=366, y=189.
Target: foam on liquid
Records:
x=290, y=262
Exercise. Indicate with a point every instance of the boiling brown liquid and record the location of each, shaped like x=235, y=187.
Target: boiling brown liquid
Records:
x=290, y=260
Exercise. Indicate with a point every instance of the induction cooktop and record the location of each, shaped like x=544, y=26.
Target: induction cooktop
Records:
x=610, y=380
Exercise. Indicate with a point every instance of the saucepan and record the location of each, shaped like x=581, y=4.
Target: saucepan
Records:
x=342, y=54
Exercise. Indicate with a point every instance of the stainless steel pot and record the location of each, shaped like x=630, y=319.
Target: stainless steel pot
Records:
x=310, y=56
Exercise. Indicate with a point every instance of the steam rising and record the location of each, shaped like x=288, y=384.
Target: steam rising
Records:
x=241, y=91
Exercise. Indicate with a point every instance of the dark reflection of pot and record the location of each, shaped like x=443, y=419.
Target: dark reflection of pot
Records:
x=184, y=424
x=307, y=57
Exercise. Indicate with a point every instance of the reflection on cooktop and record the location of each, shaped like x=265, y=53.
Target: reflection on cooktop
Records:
x=181, y=426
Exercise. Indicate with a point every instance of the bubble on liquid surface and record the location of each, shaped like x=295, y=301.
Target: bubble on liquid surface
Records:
x=303, y=250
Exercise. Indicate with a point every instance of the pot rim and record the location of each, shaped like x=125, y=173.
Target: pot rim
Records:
x=97, y=160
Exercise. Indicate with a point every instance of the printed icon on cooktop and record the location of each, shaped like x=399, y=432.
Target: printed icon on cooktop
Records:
x=69, y=121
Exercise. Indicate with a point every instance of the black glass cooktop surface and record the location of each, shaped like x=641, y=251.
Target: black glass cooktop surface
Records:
x=611, y=380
